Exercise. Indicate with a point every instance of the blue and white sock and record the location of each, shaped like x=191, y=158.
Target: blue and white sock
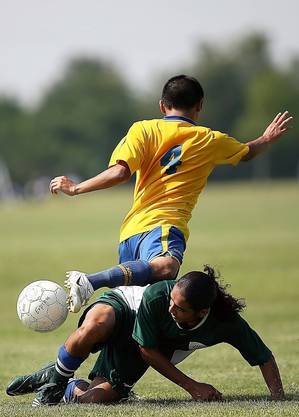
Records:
x=127, y=273
x=69, y=392
x=66, y=364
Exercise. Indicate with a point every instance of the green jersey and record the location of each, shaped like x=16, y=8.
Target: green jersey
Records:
x=155, y=328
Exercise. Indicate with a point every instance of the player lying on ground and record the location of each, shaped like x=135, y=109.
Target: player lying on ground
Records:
x=174, y=318
x=173, y=158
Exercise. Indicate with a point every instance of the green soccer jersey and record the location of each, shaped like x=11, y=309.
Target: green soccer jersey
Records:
x=155, y=328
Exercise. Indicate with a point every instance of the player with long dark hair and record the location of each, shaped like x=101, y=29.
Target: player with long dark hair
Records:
x=158, y=326
x=172, y=158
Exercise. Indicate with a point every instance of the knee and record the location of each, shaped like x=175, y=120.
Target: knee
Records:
x=96, y=328
x=164, y=267
x=84, y=338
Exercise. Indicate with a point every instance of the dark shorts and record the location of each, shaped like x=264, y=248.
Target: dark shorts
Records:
x=119, y=361
x=160, y=241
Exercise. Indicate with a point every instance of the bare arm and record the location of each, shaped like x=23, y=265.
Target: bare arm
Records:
x=115, y=175
x=197, y=390
x=274, y=131
x=272, y=378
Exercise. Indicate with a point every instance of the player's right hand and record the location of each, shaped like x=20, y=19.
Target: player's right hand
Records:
x=204, y=392
x=63, y=184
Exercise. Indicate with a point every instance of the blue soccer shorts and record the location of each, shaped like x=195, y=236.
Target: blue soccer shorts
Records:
x=160, y=241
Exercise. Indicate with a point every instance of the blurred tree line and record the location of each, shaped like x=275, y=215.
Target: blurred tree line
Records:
x=83, y=116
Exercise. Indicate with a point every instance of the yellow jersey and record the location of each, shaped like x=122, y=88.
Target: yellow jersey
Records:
x=172, y=158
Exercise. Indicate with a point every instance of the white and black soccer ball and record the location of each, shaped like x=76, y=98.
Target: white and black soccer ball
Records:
x=41, y=306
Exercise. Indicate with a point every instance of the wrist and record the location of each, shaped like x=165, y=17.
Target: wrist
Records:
x=187, y=384
x=75, y=190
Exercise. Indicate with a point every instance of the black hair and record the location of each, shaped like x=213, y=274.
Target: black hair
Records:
x=201, y=290
x=182, y=92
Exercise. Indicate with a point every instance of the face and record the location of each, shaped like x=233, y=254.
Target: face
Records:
x=181, y=312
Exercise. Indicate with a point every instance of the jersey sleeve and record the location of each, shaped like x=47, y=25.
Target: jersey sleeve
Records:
x=228, y=149
x=248, y=342
x=131, y=149
x=146, y=328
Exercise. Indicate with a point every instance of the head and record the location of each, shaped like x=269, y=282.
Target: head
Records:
x=182, y=95
x=196, y=293
x=191, y=298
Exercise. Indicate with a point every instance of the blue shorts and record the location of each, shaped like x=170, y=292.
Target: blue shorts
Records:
x=160, y=241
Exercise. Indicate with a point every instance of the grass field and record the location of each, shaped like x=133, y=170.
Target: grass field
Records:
x=249, y=231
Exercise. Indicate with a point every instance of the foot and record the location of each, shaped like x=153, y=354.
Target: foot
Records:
x=50, y=393
x=30, y=383
x=69, y=396
x=80, y=290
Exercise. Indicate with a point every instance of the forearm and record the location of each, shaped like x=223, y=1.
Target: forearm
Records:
x=110, y=177
x=256, y=147
x=198, y=391
x=117, y=174
x=162, y=365
x=272, y=378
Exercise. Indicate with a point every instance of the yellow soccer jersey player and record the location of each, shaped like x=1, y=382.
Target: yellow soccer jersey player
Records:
x=172, y=158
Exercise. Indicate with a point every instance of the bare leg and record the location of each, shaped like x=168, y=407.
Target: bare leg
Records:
x=96, y=328
x=99, y=391
x=164, y=267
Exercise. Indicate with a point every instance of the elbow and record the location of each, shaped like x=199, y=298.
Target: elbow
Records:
x=144, y=353
x=123, y=173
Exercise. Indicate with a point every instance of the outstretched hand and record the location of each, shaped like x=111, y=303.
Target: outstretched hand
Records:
x=204, y=392
x=278, y=126
x=63, y=184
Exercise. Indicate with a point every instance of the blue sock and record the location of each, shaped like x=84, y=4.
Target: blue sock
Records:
x=66, y=364
x=127, y=273
x=69, y=391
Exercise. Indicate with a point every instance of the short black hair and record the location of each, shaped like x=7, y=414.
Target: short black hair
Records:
x=182, y=92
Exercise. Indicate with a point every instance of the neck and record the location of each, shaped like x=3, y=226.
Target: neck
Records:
x=174, y=112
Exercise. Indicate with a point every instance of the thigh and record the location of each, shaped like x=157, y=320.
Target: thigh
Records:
x=96, y=328
x=163, y=241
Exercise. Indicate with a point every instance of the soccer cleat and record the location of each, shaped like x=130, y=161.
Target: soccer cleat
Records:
x=30, y=383
x=80, y=290
x=50, y=393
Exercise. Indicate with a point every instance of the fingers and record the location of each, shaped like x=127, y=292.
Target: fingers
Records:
x=283, y=119
x=218, y=396
x=286, y=122
x=55, y=184
x=64, y=184
x=277, y=117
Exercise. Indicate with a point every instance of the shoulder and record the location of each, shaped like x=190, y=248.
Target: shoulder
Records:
x=159, y=291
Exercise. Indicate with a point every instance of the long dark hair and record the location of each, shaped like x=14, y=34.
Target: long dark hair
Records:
x=202, y=290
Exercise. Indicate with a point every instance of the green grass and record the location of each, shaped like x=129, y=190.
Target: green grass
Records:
x=249, y=231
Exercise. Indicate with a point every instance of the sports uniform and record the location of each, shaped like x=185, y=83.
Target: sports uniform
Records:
x=120, y=361
x=172, y=159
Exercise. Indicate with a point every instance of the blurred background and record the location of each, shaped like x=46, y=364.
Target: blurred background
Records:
x=74, y=75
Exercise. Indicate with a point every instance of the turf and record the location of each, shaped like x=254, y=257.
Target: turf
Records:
x=249, y=231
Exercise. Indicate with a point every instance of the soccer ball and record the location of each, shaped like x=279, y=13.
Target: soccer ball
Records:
x=41, y=306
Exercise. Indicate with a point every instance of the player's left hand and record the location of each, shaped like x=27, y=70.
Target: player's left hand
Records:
x=63, y=184
x=278, y=126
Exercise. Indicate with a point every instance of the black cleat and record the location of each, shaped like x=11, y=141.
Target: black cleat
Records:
x=30, y=383
x=50, y=394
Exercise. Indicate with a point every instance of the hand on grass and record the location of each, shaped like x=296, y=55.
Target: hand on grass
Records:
x=204, y=392
x=63, y=184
